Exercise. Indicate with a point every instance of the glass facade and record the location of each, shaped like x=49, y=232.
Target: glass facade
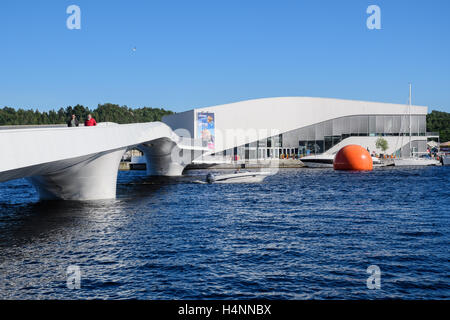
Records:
x=322, y=136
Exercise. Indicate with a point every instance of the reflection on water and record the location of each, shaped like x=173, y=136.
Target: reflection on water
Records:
x=302, y=234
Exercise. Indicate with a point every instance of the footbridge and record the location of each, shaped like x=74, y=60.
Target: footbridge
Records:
x=81, y=163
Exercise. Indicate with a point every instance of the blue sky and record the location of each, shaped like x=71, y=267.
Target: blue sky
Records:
x=201, y=53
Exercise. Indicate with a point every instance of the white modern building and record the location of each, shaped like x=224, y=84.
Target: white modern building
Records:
x=296, y=126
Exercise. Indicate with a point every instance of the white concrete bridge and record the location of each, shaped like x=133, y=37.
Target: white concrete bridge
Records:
x=81, y=163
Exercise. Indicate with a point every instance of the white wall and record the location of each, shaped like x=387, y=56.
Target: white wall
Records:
x=394, y=143
x=182, y=120
x=287, y=113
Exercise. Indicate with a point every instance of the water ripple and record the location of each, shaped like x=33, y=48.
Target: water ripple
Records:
x=303, y=234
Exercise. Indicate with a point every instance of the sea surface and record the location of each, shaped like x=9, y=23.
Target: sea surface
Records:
x=302, y=234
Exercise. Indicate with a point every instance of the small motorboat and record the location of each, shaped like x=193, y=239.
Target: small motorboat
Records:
x=238, y=177
x=411, y=161
x=445, y=160
x=319, y=161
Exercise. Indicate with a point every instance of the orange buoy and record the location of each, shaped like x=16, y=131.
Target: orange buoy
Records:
x=353, y=157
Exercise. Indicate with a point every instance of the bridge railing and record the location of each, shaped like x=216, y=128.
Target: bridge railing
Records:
x=43, y=126
x=433, y=134
x=49, y=126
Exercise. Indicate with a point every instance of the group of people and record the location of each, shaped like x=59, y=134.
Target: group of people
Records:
x=73, y=122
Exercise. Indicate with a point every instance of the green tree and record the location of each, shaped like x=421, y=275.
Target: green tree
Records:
x=382, y=144
x=438, y=121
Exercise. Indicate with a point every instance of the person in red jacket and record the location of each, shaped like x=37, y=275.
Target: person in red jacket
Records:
x=90, y=121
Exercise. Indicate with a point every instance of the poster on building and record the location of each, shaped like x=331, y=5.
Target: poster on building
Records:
x=205, y=128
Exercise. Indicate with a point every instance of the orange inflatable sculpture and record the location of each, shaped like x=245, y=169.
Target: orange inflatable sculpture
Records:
x=353, y=157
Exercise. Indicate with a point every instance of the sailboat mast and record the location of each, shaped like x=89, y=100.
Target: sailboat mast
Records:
x=410, y=150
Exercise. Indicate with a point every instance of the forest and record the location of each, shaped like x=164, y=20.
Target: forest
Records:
x=103, y=113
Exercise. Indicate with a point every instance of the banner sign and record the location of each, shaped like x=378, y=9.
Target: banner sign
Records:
x=205, y=128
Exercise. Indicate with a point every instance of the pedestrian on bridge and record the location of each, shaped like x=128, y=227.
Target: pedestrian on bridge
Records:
x=73, y=122
x=90, y=121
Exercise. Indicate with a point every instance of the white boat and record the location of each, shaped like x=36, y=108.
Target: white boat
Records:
x=238, y=177
x=415, y=162
x=445, y=160
x=325, y=160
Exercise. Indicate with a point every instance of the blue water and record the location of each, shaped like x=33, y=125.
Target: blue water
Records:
x=302, y=234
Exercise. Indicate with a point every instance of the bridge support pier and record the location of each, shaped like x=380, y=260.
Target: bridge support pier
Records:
x=164, y=158
x=90, y=178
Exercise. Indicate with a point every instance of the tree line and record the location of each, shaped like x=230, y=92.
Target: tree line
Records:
x=438, y=121
x=103, y=113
